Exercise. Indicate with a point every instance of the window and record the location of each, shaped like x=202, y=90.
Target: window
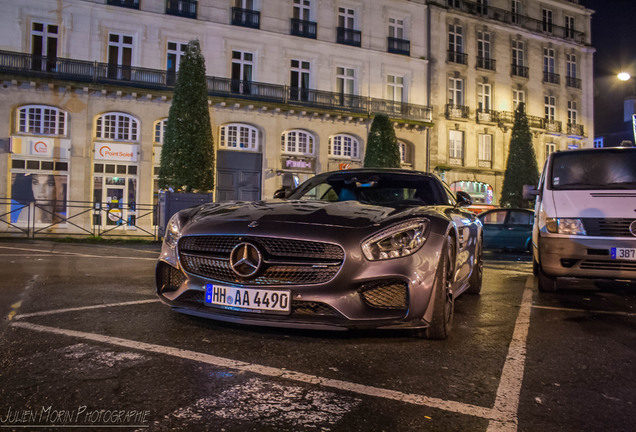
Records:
x=345, y=80
x=547, y=20
x=482, y=6
x=569, y=27
x=456, y=144
x=570, y=65
x=117, y=126
x=160, y=131
x=299, y=80
x=455, y=91
x=346, y=18
x=44, y=44
x=515, y=9
x=572, y=112
x=484, y=51
x=119, y=56
x=548, y=60
x=297, y=142
x=242, y=71
x=455, y=38
x=302, y=9
x=41, y=120
x=518, y=53
x=598, y=142
x=344, y=146
x=550, y=107
x=485, y=147
x=549, y=148
x=406, y=153
x=484, y=97
x=175, y=51
x=518, y=96
x=239, y=136
x=395, y=88
x=396, y=28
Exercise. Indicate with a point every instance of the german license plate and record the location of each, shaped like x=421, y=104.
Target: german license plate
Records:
x=247, y=298
x=628, y=254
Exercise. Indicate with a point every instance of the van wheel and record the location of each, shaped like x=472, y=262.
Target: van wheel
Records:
x=546, y=283
x=535, y=267
x=443, y=302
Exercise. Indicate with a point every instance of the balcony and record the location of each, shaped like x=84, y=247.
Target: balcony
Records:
x=399, y=46
x=130, y=4
x=485, y=115
x=80, y=71
x=456, y=111
x=486, y=63
x=552, y=78
x=551, y=125
x=457, y=57
x=573, y=82
x=519, y=20
x=302, y=28
x=520, y=71
x=182, y=8
x=575, y=129
x=347, y=36
x=246, y=18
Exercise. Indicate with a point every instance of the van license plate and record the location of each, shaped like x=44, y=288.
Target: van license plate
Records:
x=628, y=254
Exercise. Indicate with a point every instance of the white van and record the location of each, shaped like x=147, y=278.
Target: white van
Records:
x=585, y=216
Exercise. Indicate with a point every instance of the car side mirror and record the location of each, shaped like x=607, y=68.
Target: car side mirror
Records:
x=530, y=192
x=282, y=193
x=463, y=199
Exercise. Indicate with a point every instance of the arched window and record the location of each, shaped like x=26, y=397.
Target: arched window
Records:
x=160, y=131
x=406, y=153
x=344, y=146
x=238, y=136
x=117, y=126
x=297, y=142
x=41, y=120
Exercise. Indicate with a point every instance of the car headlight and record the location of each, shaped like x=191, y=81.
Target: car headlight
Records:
x=567, y=226
x=396, y=241
x=173, y=232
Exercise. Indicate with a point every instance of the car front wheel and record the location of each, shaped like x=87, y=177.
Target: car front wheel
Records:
x=443, y=296
x=546, y=283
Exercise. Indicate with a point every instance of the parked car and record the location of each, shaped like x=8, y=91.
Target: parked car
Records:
x=507, y=228
x=480, y=208
x=367, y=248
x=585, y=221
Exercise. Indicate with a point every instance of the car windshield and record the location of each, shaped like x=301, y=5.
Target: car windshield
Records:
x=374, y=188
x=612, y=169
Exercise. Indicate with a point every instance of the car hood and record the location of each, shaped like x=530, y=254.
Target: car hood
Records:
x=347, y=214
x=595, y=204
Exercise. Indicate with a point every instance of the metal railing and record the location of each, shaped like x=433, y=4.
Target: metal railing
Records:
x=246, y=18
x=347, y=36
x=131, y=4
x=399, y=46
x=104, y=73
x=520, y=71
x=303, y=28
x=456, y=111
x=486, y=63
x=79, y=218
x=182, y=8
x=573, y=82
x=552, y=78
x=457, y=57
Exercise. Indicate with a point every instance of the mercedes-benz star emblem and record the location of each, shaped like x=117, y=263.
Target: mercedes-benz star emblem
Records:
x=245, y=259
x=632, y=228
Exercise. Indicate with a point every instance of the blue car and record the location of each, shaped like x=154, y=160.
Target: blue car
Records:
x=508, y=228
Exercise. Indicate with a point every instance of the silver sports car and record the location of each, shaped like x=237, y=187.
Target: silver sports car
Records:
x=367, y=248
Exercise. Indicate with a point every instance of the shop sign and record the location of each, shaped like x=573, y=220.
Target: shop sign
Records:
x=298, y=164
x=116, y=152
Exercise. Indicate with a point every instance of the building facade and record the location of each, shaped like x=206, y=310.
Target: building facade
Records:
x=293, y=86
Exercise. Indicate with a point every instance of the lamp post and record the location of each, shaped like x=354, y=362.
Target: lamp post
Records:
x=629, y=107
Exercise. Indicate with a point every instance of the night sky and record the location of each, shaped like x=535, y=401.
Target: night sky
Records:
x=614, y=37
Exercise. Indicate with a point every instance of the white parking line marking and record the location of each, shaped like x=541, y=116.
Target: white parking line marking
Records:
x=452, y=406
x=592, y=311
x=509, y=391
x=83, y=308
x=38, y=252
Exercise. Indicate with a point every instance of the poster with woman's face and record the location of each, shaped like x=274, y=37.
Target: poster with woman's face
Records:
x=47, y=192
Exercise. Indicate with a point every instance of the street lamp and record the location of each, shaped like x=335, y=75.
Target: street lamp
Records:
x=629, y=107
x=623, y=76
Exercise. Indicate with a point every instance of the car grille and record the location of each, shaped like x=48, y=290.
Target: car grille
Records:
x=385, y=295
x=285, y=261
x=169, y=278
x=608, y=265
x=601, y=227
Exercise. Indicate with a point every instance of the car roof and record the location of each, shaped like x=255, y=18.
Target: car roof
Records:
x=504, y=209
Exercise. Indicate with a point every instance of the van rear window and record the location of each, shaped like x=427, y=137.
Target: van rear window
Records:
x=605, y=169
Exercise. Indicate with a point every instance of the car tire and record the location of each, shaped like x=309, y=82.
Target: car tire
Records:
x=476, y=278
x=535, y=267
x=546, y=283
x=443, y=302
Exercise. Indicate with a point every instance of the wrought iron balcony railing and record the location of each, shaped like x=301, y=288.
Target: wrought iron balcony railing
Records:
x=551, y=125
x=246, y=18
x=486, y=63
x=182, y=8
x=552, y=78
x=27, y=65
x=399, y=46
x=484, y=115
x=131, y=4
x=457, y=111
x=576, y=129
x=347, y=36
x=457, y=57
x=303, y=28
x=516, y=19
x=573, y=82
x=520, y=71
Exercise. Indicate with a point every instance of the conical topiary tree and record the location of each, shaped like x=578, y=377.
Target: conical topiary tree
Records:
x=521, y=168
x=382, y=147
x=187, y=156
